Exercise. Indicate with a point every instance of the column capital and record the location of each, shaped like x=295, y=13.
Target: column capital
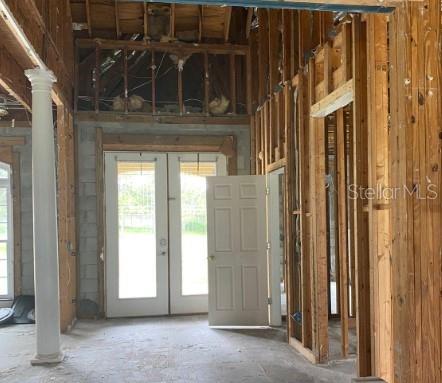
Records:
x=41, y=79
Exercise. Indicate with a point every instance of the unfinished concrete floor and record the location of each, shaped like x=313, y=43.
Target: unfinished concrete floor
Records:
x=172, y=349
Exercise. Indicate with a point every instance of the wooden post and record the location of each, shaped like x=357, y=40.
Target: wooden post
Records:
x=319, y=230
x=180, y=91
x=379, y=208
x=153, y=83
x=206, y=83
x=126, y=81
x=306, y=215
x=342, y=228
x=232, y=73
x=97, y=78
x=249, y=77
x=360, y=169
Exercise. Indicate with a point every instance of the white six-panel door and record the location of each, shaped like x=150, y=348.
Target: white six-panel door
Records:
x=237, y=247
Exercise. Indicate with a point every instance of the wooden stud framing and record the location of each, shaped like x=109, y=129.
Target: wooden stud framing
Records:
x=232, y=72
x=146, y=20
x=379, y=208
x=360, y=169
x=153, y=83
x=342, y=228
x=97, y=78
x=206, y=83
x=117, y=20
x=180, y=92
x=88, y=16
x=227, y=19
x=200, y=23
x=263, y=48
x=126, y=82
x=249, y=21
x=319, y=230
x=172, y=20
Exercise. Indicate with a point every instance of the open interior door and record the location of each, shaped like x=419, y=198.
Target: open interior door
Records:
x=237, y=248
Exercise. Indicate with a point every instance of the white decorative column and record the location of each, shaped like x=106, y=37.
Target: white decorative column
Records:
x=47, y=301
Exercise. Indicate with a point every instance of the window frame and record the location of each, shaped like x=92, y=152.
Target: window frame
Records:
x=7, y=183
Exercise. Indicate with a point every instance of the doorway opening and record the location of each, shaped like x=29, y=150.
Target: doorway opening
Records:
x=156, y=232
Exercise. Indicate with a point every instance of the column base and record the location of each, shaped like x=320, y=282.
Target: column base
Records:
x=39, y=360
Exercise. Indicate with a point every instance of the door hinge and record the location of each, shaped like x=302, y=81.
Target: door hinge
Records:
x=267, y=191
x=269, y=301
x=268, y=245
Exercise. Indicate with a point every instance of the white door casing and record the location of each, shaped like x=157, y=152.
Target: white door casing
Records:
x=236, y=214
x=138, y=306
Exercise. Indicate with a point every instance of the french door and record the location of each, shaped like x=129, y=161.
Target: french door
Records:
x=156, y=232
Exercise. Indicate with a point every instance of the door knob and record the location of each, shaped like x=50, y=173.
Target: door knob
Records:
x=163, y=253
x=212, y=257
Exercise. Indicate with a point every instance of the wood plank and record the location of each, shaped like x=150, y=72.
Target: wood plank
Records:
x=249, y=79
x=342, y=229
x=117, y=20
x=97, y=79
x=263, y=49
x=200, y=23
x=180, y=92
x=172, y=20
x=175, y=47
x=227, y=19
x=232, y=85
x=88, y=17
x=379, y=179
x=319, y=230
x=237, y=120
x=303, y=110
x=360, y=169
x=146, y=20
x=249, y=22
x=12, y=141
x=13, y=80
x=206, y=84
x=334, y=101
x=167, y=143
x=153, y=68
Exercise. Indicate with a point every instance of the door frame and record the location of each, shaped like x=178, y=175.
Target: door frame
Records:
x=127, y=307
x=105, y=142
x=273, y=237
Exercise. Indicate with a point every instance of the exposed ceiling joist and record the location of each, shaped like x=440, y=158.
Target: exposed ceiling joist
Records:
x=227, y=19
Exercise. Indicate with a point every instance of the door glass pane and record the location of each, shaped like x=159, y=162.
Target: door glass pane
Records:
x=136, y=226
x=194, y=226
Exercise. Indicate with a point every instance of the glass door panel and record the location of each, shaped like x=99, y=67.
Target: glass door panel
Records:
x=136, y=230
x=136, y=234
x=188, y=228
x=194, y=226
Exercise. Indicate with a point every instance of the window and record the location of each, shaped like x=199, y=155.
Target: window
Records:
x=6, y=242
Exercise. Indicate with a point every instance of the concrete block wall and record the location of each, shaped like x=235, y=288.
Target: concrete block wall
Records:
x=26, y=205
x=87, y=198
